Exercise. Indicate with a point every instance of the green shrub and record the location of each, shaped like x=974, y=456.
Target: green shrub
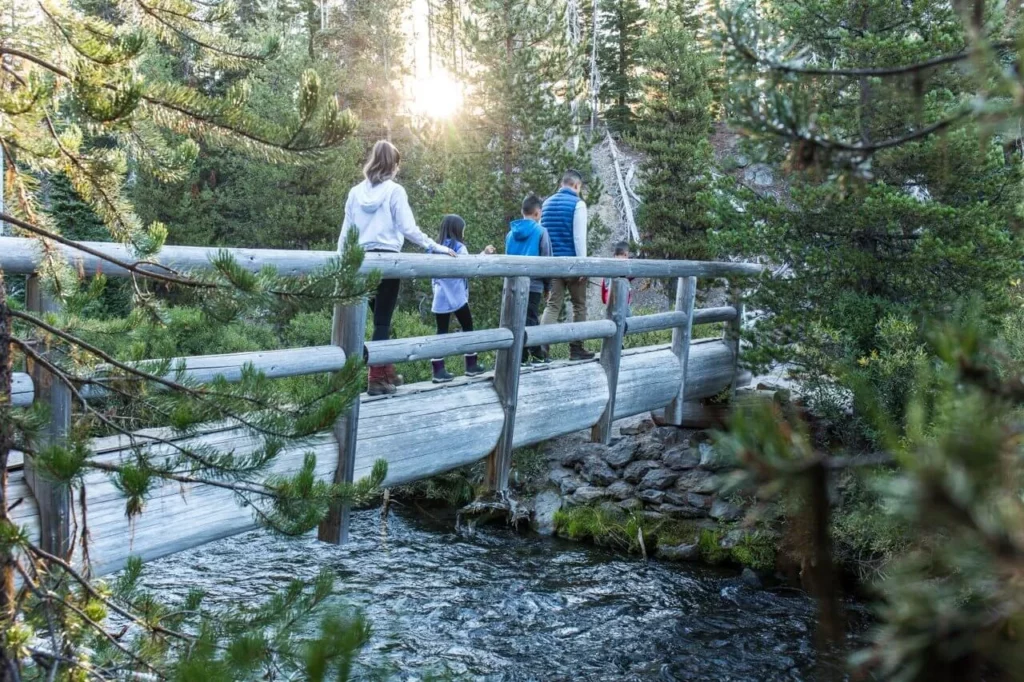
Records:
x=711, y=550
x=756, y=550
x=308, y=329
x=867, y=536
x=608, y=528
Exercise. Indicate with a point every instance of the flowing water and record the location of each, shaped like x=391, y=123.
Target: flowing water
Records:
x=501, y=606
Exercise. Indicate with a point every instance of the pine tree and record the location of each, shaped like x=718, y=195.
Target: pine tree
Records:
x=521, y=89
x=621, y=24
x=78, y=122
x=672, y=131
x=916, y=223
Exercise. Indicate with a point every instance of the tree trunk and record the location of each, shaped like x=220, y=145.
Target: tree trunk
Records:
x=508, y=134
x=623, y=71
x=8, y=664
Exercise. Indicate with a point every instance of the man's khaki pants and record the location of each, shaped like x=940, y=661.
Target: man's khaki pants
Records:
x=577, y=288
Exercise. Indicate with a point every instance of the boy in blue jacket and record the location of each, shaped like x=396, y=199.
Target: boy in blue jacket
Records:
x=527, y=238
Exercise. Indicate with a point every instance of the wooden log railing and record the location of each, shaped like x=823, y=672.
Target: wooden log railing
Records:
x=423, y=430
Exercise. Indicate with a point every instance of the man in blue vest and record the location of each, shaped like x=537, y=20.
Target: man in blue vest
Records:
x=565, y=219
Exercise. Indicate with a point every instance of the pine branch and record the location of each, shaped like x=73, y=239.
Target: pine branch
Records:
x=863, y=148
x=237, y=487
x=152, y=12
x=191, y=114
x=132, y=437
x=197, y=393
x=95, y=594
x=795, y=67
x=98, y=627
x=135, y=268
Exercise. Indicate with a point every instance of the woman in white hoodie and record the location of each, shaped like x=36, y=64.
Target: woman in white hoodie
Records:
x=378, y=208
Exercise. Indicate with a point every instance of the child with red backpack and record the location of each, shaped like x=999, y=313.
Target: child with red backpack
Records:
x=621, y=251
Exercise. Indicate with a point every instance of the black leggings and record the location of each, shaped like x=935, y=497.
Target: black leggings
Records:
x=383, y=307
x=465, y=318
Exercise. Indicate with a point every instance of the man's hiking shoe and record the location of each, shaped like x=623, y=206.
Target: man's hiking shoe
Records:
x=581, y=354
x=441, y=375
x=540, y=361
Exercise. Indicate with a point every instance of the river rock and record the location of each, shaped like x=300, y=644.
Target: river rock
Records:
x=637, y=429
x=681, y=457
x=575, y=454
x=620, y=490
x=658, y=479
x=750, y=579
x=651, y=496
x=559, y=474
x=698, y=500
x=621, y=453
x=681, y=511
x=759, y=175
x=598, y=472
x=631, y=504
x=569, y=484
x=651, y=450
x=637, y=470
x=675, y=497
x=667, y=435
x=544, y=507
x=697, y=481
x=587, y=494
x=683, y=552
x=722, y=510
x=712, y=459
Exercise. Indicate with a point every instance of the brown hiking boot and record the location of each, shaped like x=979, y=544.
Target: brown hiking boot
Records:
x=378, y=384
x=393, y=377
x=578, y=352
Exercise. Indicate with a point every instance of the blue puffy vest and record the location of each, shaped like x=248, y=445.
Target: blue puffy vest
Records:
x=559, y=209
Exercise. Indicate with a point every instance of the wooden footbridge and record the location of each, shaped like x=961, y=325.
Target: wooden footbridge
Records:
x=421, y=431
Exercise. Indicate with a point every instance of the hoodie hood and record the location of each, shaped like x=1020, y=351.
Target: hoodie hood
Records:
x=523, y=229
x=370, y=197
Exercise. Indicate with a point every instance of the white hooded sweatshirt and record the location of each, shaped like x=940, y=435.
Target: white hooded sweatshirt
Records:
x=383, y=218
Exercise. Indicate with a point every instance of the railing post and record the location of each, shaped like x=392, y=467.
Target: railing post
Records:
x=733, y=333
x=611, y=356
x=686, y=294
x=348, y=331
x=514, y=298
x=53, y=499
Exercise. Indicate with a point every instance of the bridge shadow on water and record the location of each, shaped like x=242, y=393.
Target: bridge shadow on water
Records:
x=502, y=606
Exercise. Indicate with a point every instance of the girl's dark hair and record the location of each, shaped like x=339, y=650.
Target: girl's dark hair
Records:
x=452, y=229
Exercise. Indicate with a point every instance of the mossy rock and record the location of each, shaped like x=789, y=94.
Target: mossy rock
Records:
x=717, y=545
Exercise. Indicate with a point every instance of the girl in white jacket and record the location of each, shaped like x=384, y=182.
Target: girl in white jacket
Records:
x=378, y=208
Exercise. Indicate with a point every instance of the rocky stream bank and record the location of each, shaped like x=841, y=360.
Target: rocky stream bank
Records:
x=653, y=491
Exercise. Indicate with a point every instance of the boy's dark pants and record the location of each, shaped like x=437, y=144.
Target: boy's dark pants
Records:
x=532, y=320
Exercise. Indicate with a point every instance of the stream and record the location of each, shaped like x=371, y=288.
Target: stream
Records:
x=503, y=606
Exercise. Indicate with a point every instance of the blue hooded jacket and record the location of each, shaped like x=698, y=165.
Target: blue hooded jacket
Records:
x=527, y=238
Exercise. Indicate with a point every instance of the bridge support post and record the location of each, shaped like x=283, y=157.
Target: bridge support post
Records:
x=54, y=499
x=514, y=299
x=732, y=335
x=611, y=356
x=686, y=295
x=349, y=332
